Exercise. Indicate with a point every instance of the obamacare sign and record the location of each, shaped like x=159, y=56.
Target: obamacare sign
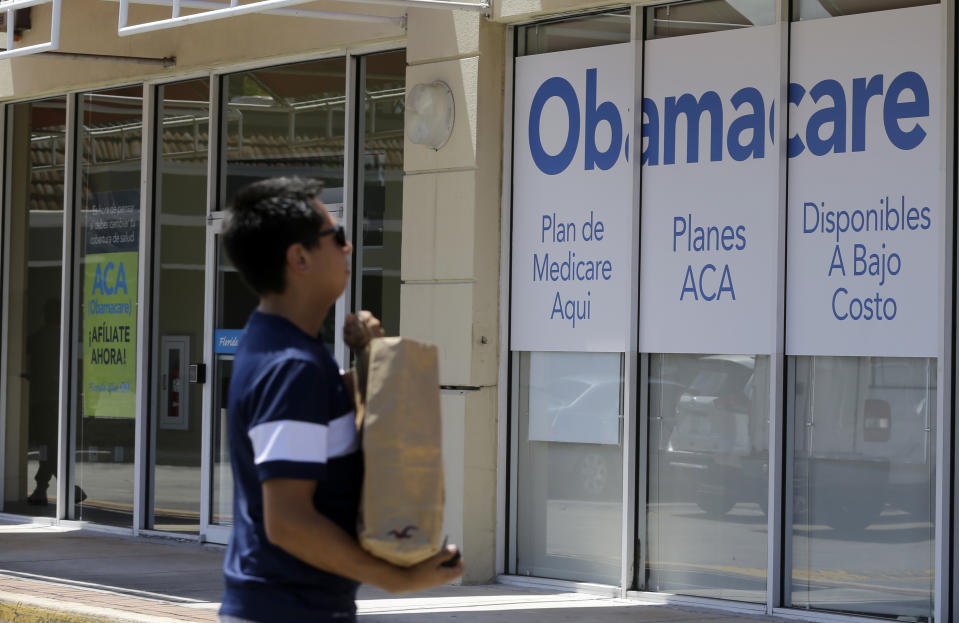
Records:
x=860, y=229
x=837, y=124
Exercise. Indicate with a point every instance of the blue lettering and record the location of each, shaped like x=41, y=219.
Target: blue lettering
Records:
x=794, y=144
x=554, y=87
x=693, y=109
x=893, y=110
x=835, y=114
x=605, y=112
x=754, y=121
x=861, y=92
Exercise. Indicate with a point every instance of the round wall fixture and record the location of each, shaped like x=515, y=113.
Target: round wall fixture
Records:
x=429, y=114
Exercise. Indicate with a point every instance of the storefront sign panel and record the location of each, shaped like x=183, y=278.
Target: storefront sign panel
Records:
x=572, y=200
x=110, y=305
x=710, y=190
x=865, y=249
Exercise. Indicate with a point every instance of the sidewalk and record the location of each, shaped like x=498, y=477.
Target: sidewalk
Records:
x=55, y=574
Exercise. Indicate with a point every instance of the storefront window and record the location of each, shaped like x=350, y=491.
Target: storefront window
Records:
x=708, y=284
x=107, y=273
x=817, y=9
x=570, y=472
x=279, y=121
x=708, y=475
x=863, y=481
x=380, y=187
x=179, y=293
x=285, y=121
x=37, y=139
x=573, y=34
x=692, y=18
x=864, y=331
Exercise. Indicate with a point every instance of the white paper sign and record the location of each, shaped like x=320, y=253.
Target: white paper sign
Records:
x=865, y=252
x=709, y=213
x=572, y=200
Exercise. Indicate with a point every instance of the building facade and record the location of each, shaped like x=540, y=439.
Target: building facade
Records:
x=690, y=268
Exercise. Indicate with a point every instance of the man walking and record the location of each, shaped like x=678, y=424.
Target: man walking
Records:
x=296, y=459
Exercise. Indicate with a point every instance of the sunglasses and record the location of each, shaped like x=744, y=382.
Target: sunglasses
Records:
x=339, y=235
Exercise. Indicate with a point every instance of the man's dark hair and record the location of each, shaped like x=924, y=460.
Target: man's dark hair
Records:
x=265, y=219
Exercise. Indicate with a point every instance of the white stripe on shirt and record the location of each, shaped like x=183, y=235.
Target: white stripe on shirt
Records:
x=289, y=440
x=342, y=438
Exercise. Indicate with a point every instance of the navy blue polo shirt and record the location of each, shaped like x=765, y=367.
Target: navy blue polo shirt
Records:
x=289, y=416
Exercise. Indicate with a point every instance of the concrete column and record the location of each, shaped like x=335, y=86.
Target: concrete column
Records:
x=450, y=263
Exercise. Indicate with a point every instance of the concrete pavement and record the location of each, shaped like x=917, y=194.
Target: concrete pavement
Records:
x=65, y=574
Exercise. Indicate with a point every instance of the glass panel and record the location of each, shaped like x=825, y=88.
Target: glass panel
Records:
x=816, y=9
x=693, y=18
x=572, y=34
x=287, y=120
x=181, y=190
x=234, y=304
x=570, y=472
x=862, y=485
x=37, y=141
x=108, y=250
x=381, y=187
x=708, y=475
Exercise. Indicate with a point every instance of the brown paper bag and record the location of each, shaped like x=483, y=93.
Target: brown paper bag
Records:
x=401, y=509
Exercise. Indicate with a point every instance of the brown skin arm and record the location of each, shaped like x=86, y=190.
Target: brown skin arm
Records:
x=295, y=526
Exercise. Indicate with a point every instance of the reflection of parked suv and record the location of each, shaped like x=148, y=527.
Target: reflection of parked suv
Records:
x=719, y=438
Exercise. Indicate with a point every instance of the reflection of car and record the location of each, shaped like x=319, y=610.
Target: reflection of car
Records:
x=861, y=439
x=585, y=427
x=582, y=420
x=718, y=439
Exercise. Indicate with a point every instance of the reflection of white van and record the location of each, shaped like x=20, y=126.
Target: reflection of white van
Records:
x=864, y=438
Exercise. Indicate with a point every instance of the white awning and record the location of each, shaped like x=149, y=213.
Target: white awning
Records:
x=210, y=10
x=11, y=7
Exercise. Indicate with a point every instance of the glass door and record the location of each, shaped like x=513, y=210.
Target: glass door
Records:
x=180, y=197
x=278, y=121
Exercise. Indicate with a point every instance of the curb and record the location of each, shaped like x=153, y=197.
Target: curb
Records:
x=21, y=608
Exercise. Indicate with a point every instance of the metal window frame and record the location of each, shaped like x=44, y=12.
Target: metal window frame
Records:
x=69, y=294
x=6, y=117
x=145, y=426
x=211, y=10
x=11, y=6
x=944, y=533
x=505, y=458
x=4, y=288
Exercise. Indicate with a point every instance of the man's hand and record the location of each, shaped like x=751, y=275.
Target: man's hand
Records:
x=430, y=572
x=293, y=524
x=360, y=328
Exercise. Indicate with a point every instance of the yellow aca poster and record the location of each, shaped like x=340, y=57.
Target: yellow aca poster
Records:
x=110, y=308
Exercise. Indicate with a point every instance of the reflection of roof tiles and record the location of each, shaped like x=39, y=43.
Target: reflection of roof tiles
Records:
x=46, y=156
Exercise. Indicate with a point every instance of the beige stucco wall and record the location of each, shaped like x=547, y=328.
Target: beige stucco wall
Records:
x=90, y=27
x=451, y=254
